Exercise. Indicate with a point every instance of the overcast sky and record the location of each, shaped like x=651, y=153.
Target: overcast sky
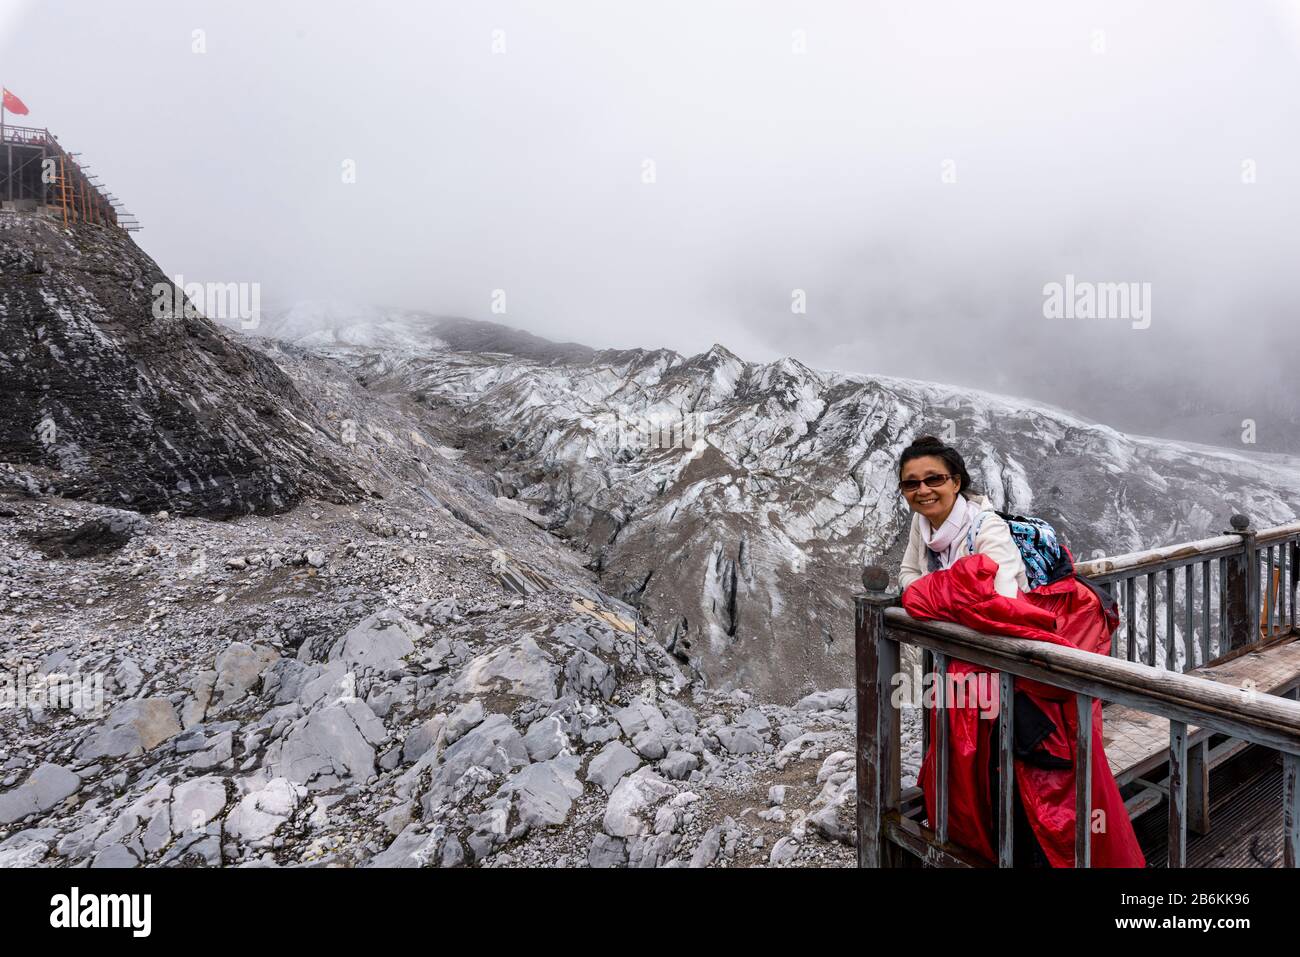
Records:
x=920, y=170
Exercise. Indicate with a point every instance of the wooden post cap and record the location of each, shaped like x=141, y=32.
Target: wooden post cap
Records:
x=875, y=578
x=1239, y=523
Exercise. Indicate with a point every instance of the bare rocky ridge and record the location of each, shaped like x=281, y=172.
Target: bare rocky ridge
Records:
x=117, y=406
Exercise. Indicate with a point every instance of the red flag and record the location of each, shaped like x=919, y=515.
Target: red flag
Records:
x=14, y=105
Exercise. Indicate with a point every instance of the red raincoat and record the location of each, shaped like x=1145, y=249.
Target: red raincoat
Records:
x=1068, y=613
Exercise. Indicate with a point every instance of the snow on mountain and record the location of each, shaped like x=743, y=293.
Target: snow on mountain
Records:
x=734, y=503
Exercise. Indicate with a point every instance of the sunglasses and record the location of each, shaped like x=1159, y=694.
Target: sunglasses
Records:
x=931, y=481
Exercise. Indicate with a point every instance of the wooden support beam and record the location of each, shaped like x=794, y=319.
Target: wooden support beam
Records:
x=923, y=843
x=1151, y=619
x=1198, y=787
x=1171, y=639
x=878, y=738
x=1006, y=770
x=941, y=749
x=1242, y=570
x=1205, y=612
x=1177, y=794
x=1083, y=781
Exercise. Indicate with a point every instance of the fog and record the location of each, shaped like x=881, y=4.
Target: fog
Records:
x=916, y=173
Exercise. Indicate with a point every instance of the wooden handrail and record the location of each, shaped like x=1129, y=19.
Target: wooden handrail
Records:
x=1157, y=559
x=1252, y=716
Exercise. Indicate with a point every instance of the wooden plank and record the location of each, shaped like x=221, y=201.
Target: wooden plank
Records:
x=1223, y=608
x=1155, y=792
x=1135, y=740
x=1083, y=781
x=1006, y=777
x=1110, y=589
x=922, y=842
x=1270, y=589
x=927, y=665
x=867, y=624
x=1154, y=559
x=1242, y=611
x=1177, y=794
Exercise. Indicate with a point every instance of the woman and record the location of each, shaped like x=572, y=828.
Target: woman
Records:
x=934, y=480
x=985, y=587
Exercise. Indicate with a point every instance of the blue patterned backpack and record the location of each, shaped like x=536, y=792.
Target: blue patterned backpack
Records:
x=1046, y=559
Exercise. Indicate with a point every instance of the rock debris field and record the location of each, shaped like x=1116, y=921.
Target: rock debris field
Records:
x=371, y=686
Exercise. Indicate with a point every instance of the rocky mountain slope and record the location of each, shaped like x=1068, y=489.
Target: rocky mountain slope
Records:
x=116, y=405
x=422, y=678
x=417, y=677
x=733, y=503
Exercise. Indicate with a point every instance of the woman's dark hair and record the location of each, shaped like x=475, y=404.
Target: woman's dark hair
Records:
x=930, y=445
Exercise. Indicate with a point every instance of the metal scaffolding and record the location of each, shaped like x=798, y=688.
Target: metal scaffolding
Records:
x=39, y=174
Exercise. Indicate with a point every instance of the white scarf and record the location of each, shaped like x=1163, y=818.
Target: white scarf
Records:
x=946, y=541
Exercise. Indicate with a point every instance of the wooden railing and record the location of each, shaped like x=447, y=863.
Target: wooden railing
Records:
x=1211, y=592
x=884, y=831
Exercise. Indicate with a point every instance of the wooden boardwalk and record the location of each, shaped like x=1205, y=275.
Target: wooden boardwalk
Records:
x=1137, y=741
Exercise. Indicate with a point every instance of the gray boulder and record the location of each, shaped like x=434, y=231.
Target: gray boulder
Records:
x=545, y=738
x=260, y=814
x=422, y=737
x=607, y=851
x=635, y=795
x=545, y=792
x=585, y=673
x=238, y=668
x=47, y=786
x=838, y=699
x=330, y=745
x=608, y=767
x=739, y=740
x=467, y=716
x=380, y=641
x=679, y=765
x=641, y=716
x=520, y=668
x=132, y=728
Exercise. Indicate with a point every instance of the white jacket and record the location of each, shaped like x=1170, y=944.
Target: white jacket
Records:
x=993, y=540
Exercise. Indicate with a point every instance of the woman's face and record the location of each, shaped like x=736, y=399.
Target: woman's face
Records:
x=933, y=503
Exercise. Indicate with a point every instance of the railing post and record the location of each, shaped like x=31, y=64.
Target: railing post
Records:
x=877, y=734
x=1083, y=781
x=1006, y=769
x=1177, y=794
x=1241, y=574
